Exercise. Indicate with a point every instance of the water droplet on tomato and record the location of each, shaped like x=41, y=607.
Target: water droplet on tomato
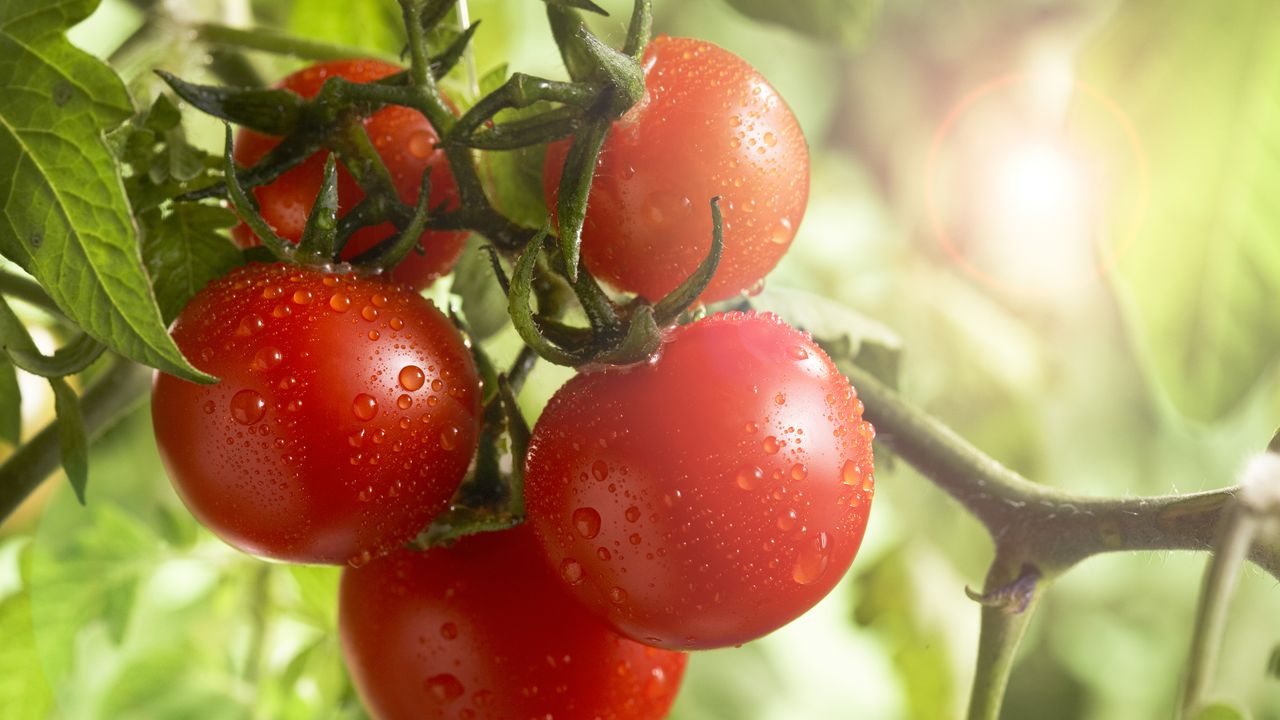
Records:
x=571, y=571
x=787, y=520
x=302, y=297
x=209, y=407
x=771, y=445
x=444, y=687
x=751, y=427
x=449, y=437
x=339, y=302
x=811, y=561
x=271, y=292
x=587, y=522
x=266, y=358
x=604, y=554
x=249, y=325
x=799, y=471
x=617, y=595
x=798, y=353
x=633, y=514
x=369, y=312
x=421, y=144
x=364, y=407
x=750, y=479
x=412, y=377
x=600, y=470
x=396, y=323
x=378, y=300
x=247, y=407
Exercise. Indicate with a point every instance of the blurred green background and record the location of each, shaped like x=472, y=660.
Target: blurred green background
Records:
x=1067, y=211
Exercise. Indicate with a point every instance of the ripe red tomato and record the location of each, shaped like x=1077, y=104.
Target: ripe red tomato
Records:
x=482, y=631
x=710, y=496
x=407, y=144
x=709, y=126
x=347, y=413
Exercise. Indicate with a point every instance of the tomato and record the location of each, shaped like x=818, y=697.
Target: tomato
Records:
x=709, y=126
x=347, y=413
x=711, y=496
x=407, y=144
x=482, y=631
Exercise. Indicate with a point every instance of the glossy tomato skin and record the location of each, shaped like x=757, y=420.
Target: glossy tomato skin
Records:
x=482, y=631
x=347, y=413
x=711, y=496
x=709, y=126
x=407, y=144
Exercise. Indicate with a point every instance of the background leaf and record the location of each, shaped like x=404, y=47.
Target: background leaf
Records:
x=1201, y=84
x=841, y=22
x=67, y=220
x=374, y=24
x=24, y=693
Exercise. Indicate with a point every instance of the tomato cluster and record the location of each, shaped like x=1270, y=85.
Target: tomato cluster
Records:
x=698, y=500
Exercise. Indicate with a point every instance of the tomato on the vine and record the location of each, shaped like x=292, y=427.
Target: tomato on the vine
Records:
x=404, y=139
x=346, y=415
x=709, y=125
x=711, y=496
x=482, y=631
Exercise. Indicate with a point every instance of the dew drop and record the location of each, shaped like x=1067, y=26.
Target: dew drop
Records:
x=633, y=514
x=444, y=687
x=412, y=377
x=750, y=479
x=604, y=554
x=799, y=471
x=247, y=407
x=369, y=312
x=571, y=571
x=421, y=144
x=617, y=595
x=396, y=323
x=339, y=302
x=374, y=334
x=780, y=399
x=378, y=300
x=271, y=292
x=404, y=402
x=787, y=520
x=209, y=407
x=798, y=353
x=771, y=445
x=587, y=522
x=600, y=470
x=266, y=358
x=449, y=437
x=249, y=325
x=811, y=561
x=851, y=473
x=302, y=297
x=364, y=407
x=449, y=631
x=751, y=428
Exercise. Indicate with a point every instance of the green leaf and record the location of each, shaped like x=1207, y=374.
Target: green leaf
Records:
x=484, y=305
x=71, y=436
x=24, y=692
x=1220, y=711
x=840, y=22
x=1200, y=83
x=10, y=403
x=271, y=111
x=185, y=251
x=66, y=220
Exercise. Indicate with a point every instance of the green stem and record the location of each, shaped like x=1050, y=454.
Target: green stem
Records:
x=1220, y=580
x=118, y=391
x=1000, y=635
x=279, y=44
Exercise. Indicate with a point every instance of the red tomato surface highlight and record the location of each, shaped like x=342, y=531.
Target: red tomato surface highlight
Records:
x=482, y=631
x=347, y=413
x=709, y=126
x=407, y=144
x=708, y=497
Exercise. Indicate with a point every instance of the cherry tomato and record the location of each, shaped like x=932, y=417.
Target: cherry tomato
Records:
x=482, y=631
x=347, y=413
x=711, y=496
x=407, y=144
x=709, y=126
